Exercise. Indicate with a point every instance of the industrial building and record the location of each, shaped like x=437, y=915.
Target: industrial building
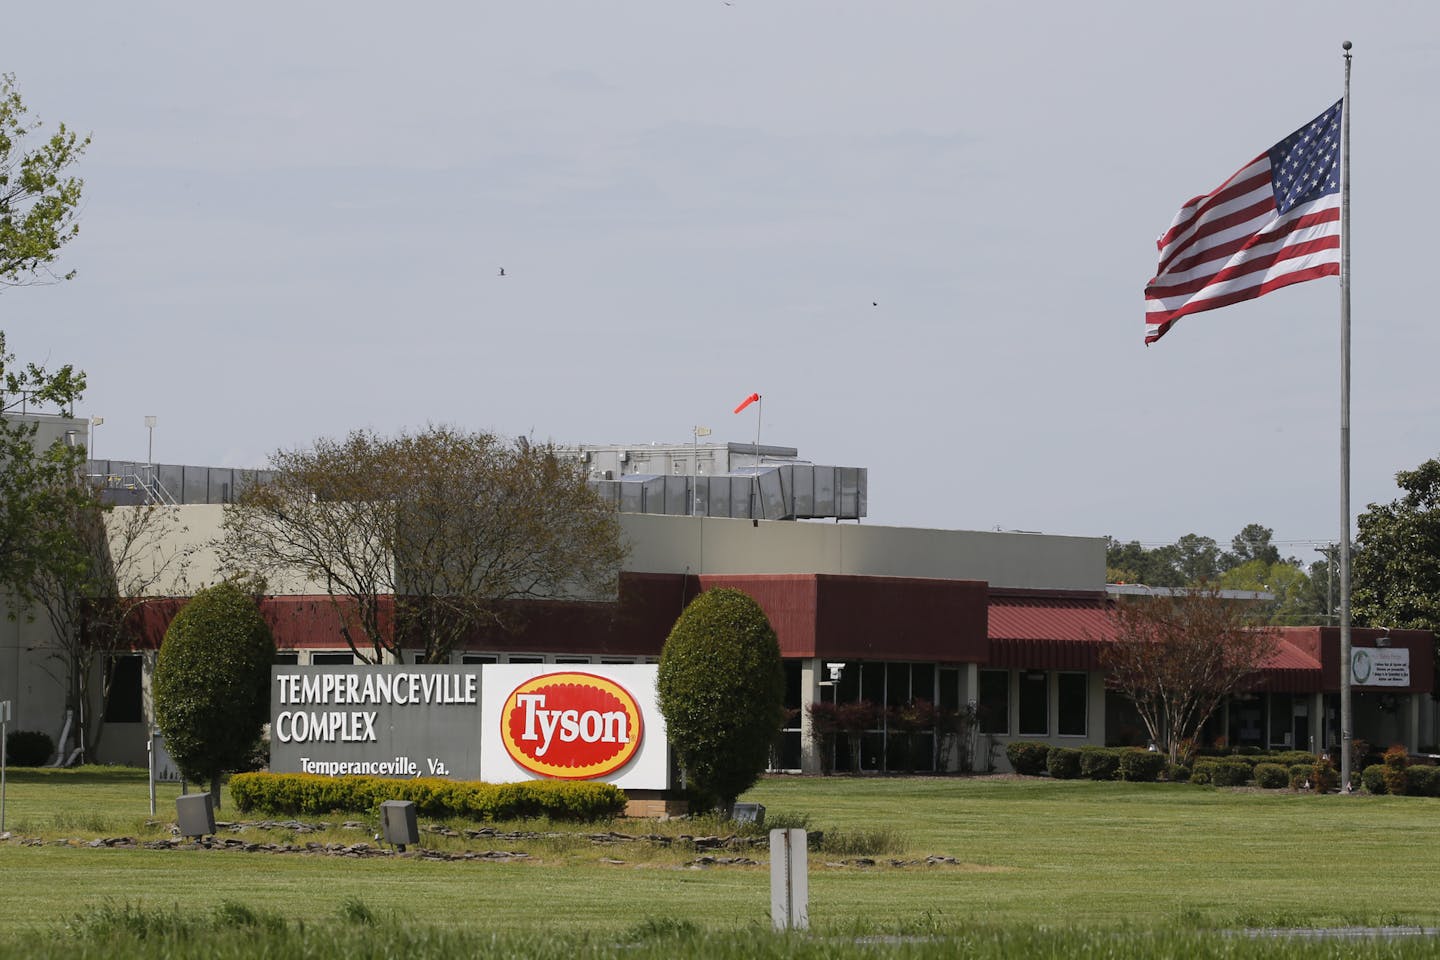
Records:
x=1010, y=622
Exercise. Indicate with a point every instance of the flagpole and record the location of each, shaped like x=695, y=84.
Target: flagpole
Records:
x=1346, y=715
x=755, y=479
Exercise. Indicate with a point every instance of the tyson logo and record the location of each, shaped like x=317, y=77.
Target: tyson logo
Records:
x=572, y=726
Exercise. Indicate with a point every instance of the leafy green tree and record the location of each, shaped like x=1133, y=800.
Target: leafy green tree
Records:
x=36, y=481
x=98, y=565
x=1294, y=603
x=722, y=691
x=1251, y=543
x=452, y=525
x=1396, y=568
x=38, y=201
x=1197, y=559
x=212, y=682
x=1132, y=563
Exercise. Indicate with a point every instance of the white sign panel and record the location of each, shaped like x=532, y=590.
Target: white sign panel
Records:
x=1380, y=666
x=581, y=722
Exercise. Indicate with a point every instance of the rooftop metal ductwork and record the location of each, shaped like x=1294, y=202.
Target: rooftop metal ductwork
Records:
x=785, y=491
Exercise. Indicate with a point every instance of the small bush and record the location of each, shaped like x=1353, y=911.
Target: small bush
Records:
x=1300, y=774
x=1271, y=776
x=28, y=748
x=1099, y=763
x=1063, y=763
x=1372, y=778
x=1141, y=766
x=1177, y=773
x=1027, y=757
x=1422, y=781
x=1324, y=776
x=1230, y=772
x=1397, y=758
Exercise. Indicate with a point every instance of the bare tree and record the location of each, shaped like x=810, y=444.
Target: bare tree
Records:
x=421, y=538
x=1177, y=656
x=100, y=565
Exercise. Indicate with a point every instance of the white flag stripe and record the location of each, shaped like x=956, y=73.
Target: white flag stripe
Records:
x=1205, y=268
x=1250, y=280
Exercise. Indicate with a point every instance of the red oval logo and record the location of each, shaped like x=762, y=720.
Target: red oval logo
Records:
x=572, y=726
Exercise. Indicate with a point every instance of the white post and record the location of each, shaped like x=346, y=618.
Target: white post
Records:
x=4, y=722
x=789, y=880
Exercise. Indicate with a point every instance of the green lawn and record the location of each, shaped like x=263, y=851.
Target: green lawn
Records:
x=1033, y=855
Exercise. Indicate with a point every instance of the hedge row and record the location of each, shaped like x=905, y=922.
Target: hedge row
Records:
x=1032, y=757
x=1297, y=769
x=300, y=793
x=1419, y=781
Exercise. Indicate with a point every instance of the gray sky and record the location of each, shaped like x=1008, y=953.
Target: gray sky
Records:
x=296, y=212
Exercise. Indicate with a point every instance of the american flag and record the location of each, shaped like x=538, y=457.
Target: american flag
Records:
x=1274, y=223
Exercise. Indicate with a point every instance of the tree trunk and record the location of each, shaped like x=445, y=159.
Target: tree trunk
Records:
x=215, y=790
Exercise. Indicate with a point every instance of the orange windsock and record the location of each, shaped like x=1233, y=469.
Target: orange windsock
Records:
x=747, y=401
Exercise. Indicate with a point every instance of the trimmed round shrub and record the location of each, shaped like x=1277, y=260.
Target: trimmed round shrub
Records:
x=1142, y=766
x=1099, y=763
x=1230, y=772
x=722, y=692
x=1422, y=781
x=1063, y=763
x=28, y=748
x=1027, y=757
x=1372, y=778
x=212, y=682
x=1177, y=772
x=1271, y=776
x=1301, y=776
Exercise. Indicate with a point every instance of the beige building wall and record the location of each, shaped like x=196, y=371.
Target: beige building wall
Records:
x=664, y=544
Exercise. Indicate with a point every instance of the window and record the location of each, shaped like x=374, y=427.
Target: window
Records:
x=479, y=658
x=322, y=659
x=994, y=701
x=949, y=689
x=124, y=703
x=287, y=658
x=1073, y=707
x=524, y=658
x=1034, y=703
x=572, y=659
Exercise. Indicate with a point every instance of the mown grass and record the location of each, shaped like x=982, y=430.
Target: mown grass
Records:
x=1114, y=864
x=234, y=931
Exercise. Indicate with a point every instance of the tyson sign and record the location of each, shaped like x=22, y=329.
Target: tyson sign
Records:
x=574, y=726
x=587, y=723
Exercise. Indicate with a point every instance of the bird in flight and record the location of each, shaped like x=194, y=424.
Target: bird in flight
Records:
x=873, y=303
x=502, y=271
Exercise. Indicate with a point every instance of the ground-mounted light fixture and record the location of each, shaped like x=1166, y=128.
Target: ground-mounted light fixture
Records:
x=397, y=823
x=195, y=815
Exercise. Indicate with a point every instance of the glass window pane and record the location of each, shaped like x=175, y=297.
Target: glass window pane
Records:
x=897, y=684
x=1034, y=704
x=872, y=682
x=995, y=701
x=949, y=688
x=124, y=705
x=922, y=681
x=1073, y=707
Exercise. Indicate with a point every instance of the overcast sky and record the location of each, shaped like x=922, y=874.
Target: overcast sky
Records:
x=920, y=230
